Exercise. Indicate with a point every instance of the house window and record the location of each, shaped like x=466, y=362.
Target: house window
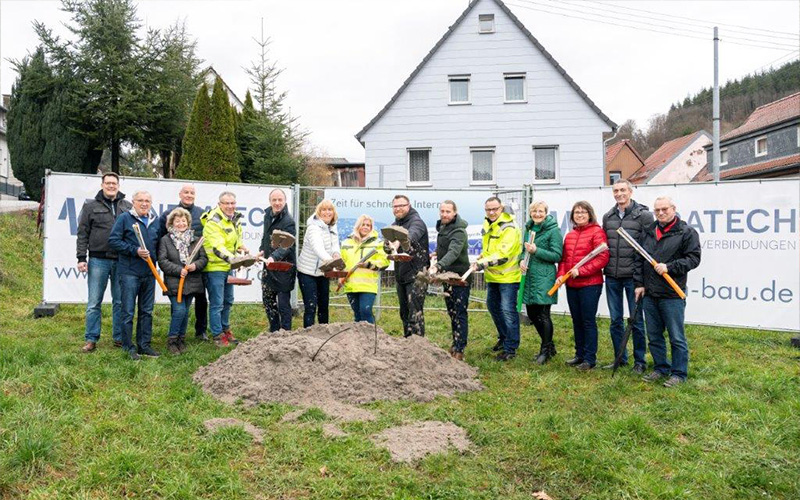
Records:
x=761, y=146
x=515, y=87
x=545, y=164
x=482, y=165
x=614, y=176
x=419, y=166
x=459, y=89
x=723, y=156
x=486, y=23
x=798, y=136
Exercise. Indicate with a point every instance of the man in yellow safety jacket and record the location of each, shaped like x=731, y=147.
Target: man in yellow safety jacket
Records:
x=502, y=244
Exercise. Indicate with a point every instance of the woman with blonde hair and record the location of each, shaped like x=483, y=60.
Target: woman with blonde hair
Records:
x=362, y=286
x=320, y=244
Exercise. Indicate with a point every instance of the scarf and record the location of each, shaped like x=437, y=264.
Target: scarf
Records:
x=182, y=242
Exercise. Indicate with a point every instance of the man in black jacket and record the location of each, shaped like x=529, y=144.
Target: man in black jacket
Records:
x=676, y=247
x=95, y=222
x=276, y=286
x=411, y=291
x=452, y=252
x=635, y=218
x=187, y=196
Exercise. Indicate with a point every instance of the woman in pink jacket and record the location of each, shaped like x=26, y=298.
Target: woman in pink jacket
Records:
x=586, y=283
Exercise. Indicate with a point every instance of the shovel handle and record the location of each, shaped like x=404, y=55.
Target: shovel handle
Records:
x=560, y=281
x=155, y=273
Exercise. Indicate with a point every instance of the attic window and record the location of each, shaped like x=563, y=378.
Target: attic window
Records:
x=761, y=146
x=459, y=89
x=486, y=23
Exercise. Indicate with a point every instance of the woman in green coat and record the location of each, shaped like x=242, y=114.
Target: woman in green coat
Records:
x=540, y=274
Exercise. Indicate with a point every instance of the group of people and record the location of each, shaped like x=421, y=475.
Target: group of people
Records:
x=517, y=264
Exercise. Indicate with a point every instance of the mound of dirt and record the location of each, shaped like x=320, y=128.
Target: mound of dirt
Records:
x=412, y=442
x=279, y=367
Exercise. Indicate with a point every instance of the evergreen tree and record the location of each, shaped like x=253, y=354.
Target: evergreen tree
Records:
x=196, y=160
x=222, y=139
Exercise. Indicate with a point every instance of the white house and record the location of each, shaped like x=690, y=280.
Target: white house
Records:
x=488, y=106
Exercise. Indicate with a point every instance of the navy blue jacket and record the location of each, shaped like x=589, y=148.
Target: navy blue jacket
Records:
x=194, y=210
x=123, y=240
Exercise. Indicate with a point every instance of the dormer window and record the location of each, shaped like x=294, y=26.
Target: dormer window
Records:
x=459, y=89
x=486, y=23
x=761, y=146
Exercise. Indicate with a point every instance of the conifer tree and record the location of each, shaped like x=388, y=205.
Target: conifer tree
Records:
x=196, y=160
x=222, y=139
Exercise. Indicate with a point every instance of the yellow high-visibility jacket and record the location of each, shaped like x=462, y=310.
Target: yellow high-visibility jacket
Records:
x=222, y=237
x=364, y=280
x=502, y=243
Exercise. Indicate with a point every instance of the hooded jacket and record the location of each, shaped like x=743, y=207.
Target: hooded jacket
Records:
x=541, y=273
x=123, y=240
x=622, y=257
x=406, y=272
x=502, y=243
x=577, y=244
x=678, y=248
x=452, y=246
x=320, y=242
x=95, y=221
x=223, y=236
x=364, y=280
x=282, y=281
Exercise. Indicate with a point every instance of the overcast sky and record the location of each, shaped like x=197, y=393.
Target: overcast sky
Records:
x=344, y=59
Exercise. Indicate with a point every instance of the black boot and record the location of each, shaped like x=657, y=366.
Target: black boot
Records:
x=181, y=345
x=172, y=345
x=546, y=353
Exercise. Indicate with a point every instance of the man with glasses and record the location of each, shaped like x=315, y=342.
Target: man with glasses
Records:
x=136, y=281
x=676, y=247
x=410, y=291
x=94, y=227
x=635, y=218
x=502, y=244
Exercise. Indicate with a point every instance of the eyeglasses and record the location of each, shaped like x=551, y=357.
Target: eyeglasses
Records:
x=580, y=212
x=665, y=210
x=489, y=210
x=399, y=206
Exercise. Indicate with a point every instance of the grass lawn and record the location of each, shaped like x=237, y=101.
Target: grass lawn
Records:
x=101, y=426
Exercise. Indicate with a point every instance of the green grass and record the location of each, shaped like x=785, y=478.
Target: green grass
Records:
x=100, y=426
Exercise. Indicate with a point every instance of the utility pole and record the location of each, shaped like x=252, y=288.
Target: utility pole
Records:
x=715, y=155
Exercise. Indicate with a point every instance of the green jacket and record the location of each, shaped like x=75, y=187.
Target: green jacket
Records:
x=222, y=237
x=501, y=245
x=452, y=247
x=541, y=273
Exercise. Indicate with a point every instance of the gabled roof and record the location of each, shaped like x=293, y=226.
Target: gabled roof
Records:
x=613, y=150
x=447, y=34
x=768, y=114
x=706, y=175
x=214, y=72
x=663, y=156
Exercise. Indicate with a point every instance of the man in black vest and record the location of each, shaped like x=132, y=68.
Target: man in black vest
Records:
x=277, y=286
x=96, y=219
x=187, y=196
x=635, y=218
x=411, y=291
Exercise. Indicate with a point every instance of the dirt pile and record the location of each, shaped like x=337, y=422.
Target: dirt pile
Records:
x=412, y=442
x=279, y=367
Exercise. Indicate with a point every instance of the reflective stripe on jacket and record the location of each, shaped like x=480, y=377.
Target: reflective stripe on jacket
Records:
x=502, y=243
x=222, y=237
x=364, y=280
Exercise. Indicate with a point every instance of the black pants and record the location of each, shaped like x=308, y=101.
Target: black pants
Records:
x=412, y=302
x=316, y=295
x=278, y=307
x=201, y=311
x=539, y=315
x=457, y=300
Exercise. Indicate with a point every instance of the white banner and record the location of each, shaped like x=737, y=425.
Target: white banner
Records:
x=749, y=274
x=66, y=193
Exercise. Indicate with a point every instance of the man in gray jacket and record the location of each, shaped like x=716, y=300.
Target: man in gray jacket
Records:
x=635, y=218
x=96, y=219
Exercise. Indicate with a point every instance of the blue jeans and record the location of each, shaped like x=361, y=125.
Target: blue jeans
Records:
x=316, y=292
x=661, y=314
x=220, y=300
x=583, y=308
x=135, y=289
x=361, y=303
x=614, y=297
x=457, y=300
x=501, y=301
x=180, y=315
x=100, y=271
x=278, y=306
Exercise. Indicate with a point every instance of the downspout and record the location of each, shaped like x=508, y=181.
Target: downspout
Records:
x=605, y=145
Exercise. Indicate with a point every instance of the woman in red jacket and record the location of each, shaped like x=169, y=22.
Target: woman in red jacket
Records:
x=586, y=283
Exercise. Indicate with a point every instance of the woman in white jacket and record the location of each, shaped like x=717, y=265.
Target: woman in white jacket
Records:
x=320, y=243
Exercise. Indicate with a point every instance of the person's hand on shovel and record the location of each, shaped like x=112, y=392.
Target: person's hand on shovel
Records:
x=143, y=253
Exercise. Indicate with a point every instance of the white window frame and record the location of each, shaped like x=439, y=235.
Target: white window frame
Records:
x=722, y=162
x=507, y=76
x=798, y=136
x=557, y=179
x=611, y=174
x=755, y=146
x=409, y=182
x=459, y=78
x=482, y=149
x=486, y=17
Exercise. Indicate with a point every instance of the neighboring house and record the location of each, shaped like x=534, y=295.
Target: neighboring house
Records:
x=675, y=162
x=766, y=145
x=210, y=75
x=487, y=106
x=622, y=160
x=345, y=173
x=9, y=185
